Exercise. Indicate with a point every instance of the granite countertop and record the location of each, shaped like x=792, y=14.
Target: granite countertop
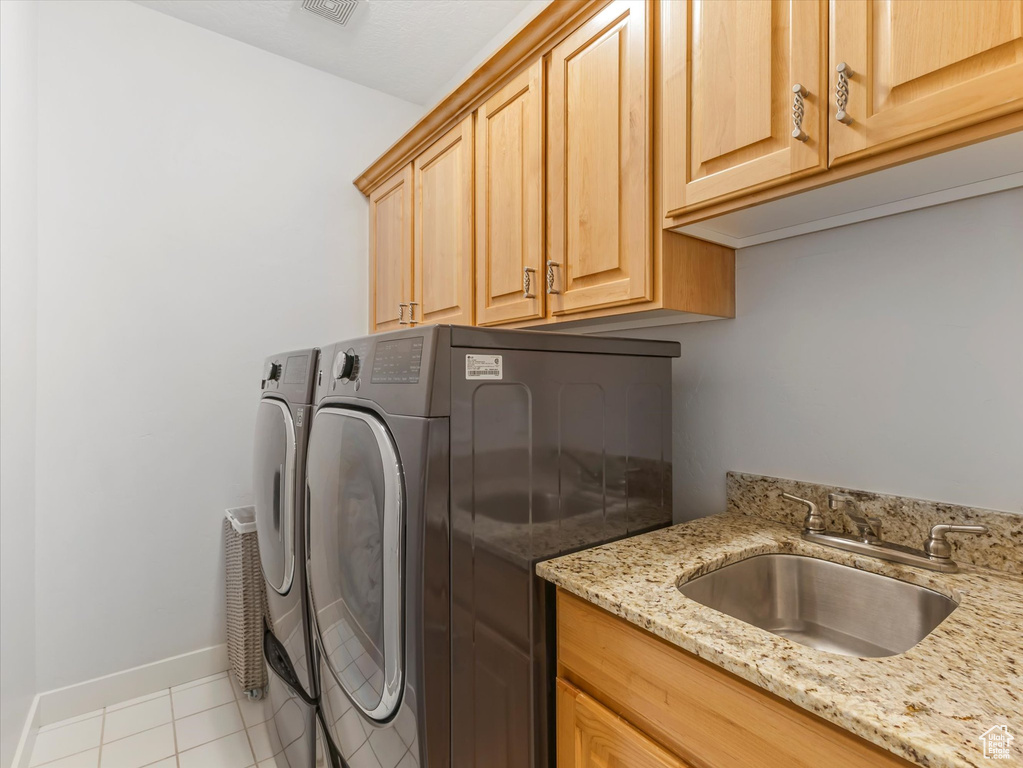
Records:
x=928, y=705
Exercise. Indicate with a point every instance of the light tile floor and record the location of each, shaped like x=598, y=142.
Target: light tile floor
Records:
x=207, y=723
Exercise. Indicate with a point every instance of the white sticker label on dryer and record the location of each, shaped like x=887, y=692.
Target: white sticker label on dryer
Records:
x=484, y=367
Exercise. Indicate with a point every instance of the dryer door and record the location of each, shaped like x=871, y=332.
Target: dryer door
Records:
x=355, y=519
x=273, y=479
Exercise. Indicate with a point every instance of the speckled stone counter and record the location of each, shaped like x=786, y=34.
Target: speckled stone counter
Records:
x=929, y=705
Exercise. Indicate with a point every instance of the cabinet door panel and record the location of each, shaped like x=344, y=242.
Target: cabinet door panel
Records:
x=591, y=736
x=598, y=169
x=728, y=74
x=509, y=201
x=921, y=68
x=390, y=245
x=443, y=229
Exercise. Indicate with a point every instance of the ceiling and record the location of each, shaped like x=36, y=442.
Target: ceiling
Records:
x=407, y=48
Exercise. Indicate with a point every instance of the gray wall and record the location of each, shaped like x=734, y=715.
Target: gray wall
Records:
x=17, y=368
x=886, y=355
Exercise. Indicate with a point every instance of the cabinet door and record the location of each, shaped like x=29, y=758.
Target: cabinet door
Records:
x=599, y=181
x=921, y=68
x=509, y=202
x=591, y=736
x=443, y=229
x=390, y=247
x=729, y=72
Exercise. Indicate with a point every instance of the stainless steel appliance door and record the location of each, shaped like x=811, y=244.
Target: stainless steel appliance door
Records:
x=273, y=477
x=356, y=522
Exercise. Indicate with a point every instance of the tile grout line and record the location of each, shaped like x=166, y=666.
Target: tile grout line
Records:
x=102, y=732
x=173, y=722
x=174, y=729
x=151, y=697
x=158, y=725
x=245, y=727
x=73, y=754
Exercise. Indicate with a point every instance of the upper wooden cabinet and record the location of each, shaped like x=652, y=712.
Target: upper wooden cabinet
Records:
x=599, y=163
x=390, y=247
x=509, y=202
x=731, y=70
x=442, y=255
x=920, y=68
x=559, y=160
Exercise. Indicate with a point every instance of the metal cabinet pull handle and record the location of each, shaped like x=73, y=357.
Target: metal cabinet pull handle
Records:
x=525, y=283
x=401, y=314
x=842, y=93
x=550, y=276
x=798, y=94
x=412, y=312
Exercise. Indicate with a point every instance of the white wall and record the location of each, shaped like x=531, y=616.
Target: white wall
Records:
x=17, y=367
x=196, y=214
x=886, y=355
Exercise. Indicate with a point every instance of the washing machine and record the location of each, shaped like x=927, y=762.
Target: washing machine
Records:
x=282, y=428
x=444, y=462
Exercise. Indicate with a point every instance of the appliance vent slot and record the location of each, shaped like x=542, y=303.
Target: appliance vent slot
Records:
x=338, y=11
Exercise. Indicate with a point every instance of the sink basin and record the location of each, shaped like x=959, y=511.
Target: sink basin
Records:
x=824, y=605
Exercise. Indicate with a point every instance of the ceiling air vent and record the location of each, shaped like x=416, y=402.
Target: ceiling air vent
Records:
x=338, y=11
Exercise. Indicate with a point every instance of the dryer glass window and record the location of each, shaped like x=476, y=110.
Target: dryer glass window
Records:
x=355, y=543
x=274, y=489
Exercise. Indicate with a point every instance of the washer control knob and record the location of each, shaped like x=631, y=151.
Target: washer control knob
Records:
x=273, y=371
x=346, y=365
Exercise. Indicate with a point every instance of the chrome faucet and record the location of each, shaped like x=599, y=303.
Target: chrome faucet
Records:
x=868, y=528
x=936, y=554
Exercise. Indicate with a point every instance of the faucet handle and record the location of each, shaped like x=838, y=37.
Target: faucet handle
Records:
x=937, y=546
x=814, y=520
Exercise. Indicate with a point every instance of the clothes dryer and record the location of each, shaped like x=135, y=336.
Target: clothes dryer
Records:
x=444, y=462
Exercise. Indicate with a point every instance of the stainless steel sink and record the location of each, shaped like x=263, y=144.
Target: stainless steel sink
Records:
x=824, y=605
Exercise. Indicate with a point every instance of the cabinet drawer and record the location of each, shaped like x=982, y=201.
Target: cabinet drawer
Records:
x=591, y=736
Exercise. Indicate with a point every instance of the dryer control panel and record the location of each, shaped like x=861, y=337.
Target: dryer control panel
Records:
x=289, y=375
x=398, y=361
x=392, y=370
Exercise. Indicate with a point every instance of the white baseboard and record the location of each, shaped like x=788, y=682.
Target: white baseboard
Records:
x=28, y=736
x=73, y=700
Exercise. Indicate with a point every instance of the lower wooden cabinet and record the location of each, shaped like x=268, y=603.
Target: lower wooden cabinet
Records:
x=591, y=736
x=628, y=698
